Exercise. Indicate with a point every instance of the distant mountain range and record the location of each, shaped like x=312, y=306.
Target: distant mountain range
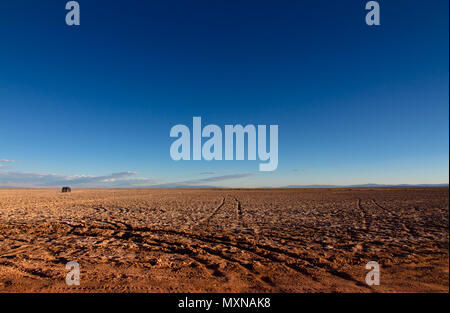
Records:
x=281, y=187
x=368, y=186
x=311, y=186
x=188, y=186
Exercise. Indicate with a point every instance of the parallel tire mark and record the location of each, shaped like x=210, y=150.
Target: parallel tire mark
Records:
x=363, y=214
x=242, y=245
x=214, y=212
x=238, y=209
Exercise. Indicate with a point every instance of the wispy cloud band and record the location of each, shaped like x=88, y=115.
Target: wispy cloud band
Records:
x=7, y=161
x=25, y=179
x=119, y=180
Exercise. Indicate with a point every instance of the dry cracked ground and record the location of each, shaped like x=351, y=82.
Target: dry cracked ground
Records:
x=161, y=240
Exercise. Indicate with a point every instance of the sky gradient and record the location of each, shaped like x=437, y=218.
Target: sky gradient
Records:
x=92, y=106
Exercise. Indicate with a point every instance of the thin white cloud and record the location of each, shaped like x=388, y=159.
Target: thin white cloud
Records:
x=7, y=161
x=300, y=170
x=213, y=179
x=126, y=179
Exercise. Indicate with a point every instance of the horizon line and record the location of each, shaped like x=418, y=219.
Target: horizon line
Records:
x=316, y=186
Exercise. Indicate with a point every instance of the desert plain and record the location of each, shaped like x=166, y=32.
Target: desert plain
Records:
x=224, y=240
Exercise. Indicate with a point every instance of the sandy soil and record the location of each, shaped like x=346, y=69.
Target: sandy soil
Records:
x=224, y=240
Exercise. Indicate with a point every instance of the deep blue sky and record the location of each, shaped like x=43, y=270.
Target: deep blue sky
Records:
x=354, y=104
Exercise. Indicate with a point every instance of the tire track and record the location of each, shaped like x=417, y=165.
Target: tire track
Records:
x=190, y=250
x=241, y=220
x=238, y=209
x=209, y=217
x=403, y=225
x=363, y=215
x=35, y=273
x=386, y=210
x=307, y=267
x=259, y=251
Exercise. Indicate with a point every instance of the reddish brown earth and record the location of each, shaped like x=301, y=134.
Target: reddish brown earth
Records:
x=171, y=240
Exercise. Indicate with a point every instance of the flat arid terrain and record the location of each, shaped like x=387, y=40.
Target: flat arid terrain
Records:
x=218, y=240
